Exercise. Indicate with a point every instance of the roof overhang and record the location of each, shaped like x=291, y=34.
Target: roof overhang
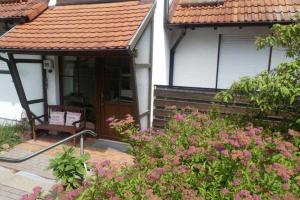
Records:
x=134, y=40
x=94, y=53
x=126, y=51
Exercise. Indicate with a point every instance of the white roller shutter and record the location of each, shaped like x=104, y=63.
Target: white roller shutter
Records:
x=239, y=57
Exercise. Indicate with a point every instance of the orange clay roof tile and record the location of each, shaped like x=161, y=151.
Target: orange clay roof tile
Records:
x=234, y=11
x=79, y=27
x=22, y=9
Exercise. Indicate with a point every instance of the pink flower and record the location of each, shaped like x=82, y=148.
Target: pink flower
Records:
x=119, y=178
x=160, y=170
x=37, y=190
x=286, y=186
x=256, y=197
x=236, y=182
x=176, y=161
x=191, y=150
x=179, y=117
x=282, y=171
x=225, y=153
x=224, y=191
x=224, y=135
x=185, y=169
x=110, y=119
x=25, y=197
x=298, y=168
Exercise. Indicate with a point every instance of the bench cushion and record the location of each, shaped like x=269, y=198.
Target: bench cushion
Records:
x=72, y=117
x=50, y=127
x=57, y=118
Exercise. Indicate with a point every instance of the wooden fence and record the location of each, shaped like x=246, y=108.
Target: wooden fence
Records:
x=202, y=99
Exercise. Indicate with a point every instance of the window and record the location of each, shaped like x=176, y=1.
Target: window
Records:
x=78, y=80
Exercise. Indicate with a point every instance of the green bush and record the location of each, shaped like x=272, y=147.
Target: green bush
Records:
x=201, y=157
x=8, y=135
x=68, y=168
x=276, y=92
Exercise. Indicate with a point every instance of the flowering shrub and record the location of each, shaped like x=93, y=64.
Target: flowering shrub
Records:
x=36, y=194
x=199, y=157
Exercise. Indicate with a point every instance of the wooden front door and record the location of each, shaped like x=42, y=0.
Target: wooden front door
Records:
x=114, y=94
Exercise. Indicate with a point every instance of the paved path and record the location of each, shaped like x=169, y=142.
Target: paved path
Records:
x=17, y=179
x=37, y=165
x=9, y=193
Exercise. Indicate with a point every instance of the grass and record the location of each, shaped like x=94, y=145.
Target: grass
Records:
x=8, y=135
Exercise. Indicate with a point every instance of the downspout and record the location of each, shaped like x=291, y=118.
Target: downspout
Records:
x=172, y=57
x=166, y=12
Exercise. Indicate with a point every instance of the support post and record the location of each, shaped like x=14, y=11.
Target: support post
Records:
x=81, y=145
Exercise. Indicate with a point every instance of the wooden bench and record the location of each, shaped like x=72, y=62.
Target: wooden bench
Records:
x=75, y=128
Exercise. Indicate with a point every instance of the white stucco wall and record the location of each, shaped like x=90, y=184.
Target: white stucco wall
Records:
x=53, y=82
x=197, y=54
x=161, y=48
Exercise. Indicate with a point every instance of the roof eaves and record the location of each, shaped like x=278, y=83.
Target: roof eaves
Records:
x=136, y=37
x=98, y=52
x=199, y=25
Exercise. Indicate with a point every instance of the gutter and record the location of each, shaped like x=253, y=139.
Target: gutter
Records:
x=172, y=56
x=136, y=37
x=192, y=26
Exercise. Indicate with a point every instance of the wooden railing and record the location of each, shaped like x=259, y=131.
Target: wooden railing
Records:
x=199, y=98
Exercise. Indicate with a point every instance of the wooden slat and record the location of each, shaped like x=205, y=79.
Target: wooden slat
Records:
x=192, y=95
x=201, y=99
x=162, y=113
x=202, y=107
x=159, y=123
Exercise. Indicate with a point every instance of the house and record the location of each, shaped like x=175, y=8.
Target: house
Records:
x=106, y=55
x=213, y=41
x=13, y=12
x=211, y=44
x=85, y=53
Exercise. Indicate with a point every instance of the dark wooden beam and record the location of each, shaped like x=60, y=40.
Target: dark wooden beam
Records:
x=19, y=86
x=218, y=60
x=270, y=59
x=28, y=61
x=45, y=88
x=4, y=72
x=172, y=57
x=36, y=101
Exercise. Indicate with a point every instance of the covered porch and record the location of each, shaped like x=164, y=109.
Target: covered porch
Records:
x=100, y=62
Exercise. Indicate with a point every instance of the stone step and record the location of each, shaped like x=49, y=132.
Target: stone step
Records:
x=24, y=181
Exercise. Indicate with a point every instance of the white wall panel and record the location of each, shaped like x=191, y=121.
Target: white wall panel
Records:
x=196, y=59
x=32, y=81
x=3, y=65
x=10, y=107
x=31, y=77
x=278, y=56
x=239, y=57
x=143, y=48
x=53, y=83
x=142, y=81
